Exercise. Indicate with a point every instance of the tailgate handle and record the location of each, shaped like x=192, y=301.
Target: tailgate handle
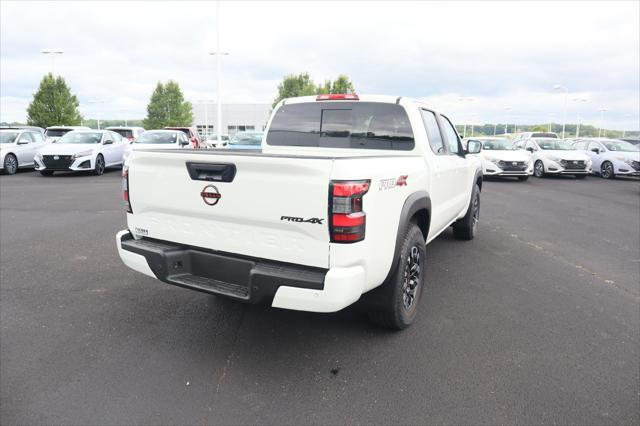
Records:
x=212, y=172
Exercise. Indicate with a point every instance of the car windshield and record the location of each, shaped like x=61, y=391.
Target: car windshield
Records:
x=246, y=139
x=8, y=137
x=56, y=133
x=81, y=137
x=555, y=145
x=621, y=146
x=157, y=137
x=497, y=145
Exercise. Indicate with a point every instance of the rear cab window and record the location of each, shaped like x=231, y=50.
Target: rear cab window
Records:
x=355, y=125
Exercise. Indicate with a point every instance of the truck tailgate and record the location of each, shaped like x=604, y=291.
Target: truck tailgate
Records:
x=274, y=207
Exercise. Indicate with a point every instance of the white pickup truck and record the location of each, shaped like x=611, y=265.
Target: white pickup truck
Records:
x=338, y=203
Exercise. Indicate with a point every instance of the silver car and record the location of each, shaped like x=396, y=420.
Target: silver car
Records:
x=17, y=148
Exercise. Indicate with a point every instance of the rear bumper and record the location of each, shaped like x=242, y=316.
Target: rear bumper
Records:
x=246, y=279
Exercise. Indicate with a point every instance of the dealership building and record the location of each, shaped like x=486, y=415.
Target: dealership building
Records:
x=235, y=118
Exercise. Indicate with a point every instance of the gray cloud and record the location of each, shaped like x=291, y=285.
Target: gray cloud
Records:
x=500, y=53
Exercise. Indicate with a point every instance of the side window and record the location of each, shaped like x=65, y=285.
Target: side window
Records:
x=117, y=138
x=27, y=136
x=530, y=145
x=37, y=137
x=433, y=132
x=594, y=145
x=452, y=136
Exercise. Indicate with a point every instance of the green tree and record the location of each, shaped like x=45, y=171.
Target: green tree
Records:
x=53, y=104
x=301, y=85
x=167, y=107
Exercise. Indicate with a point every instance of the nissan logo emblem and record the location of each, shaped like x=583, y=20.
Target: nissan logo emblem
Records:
x=210, y=195
x=55, y=157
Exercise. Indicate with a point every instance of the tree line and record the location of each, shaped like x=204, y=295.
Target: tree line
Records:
x=54, y=104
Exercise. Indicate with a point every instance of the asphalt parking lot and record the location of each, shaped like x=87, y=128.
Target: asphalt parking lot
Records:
x=536, y=321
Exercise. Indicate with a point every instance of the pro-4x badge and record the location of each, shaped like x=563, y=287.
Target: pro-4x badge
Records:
x=300, y=219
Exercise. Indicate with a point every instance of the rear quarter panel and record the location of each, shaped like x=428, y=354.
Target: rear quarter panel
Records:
x=383, y=205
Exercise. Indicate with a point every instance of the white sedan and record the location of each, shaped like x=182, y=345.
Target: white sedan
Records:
x=556, y=156
x=159, y=139
x=82, y=150
x=611, y=157
x=500, y=158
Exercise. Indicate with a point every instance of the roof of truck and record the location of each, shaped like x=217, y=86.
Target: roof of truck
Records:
x=361, y=98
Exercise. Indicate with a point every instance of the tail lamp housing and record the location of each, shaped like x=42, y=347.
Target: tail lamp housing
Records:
x=347, y=219
x=125, y=188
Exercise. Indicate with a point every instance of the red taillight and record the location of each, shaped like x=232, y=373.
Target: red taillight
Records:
x=125, y=188
x=338, y=97
x=347, y=219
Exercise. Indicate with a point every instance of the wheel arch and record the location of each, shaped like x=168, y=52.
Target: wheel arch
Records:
x=417, y=209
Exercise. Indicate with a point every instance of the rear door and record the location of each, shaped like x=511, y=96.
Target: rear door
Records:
x=443, y=174
x=263, y=206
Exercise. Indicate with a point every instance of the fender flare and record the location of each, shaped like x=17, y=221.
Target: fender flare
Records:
x=478, y=175
x=415, y=202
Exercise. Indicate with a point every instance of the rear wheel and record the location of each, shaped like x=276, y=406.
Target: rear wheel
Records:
x=10, y=164
x=606, y=170
x=395, y=303
x=465, y=228
x=46, y=172
x=523, y=178
x=99, y=167
x=538, y=169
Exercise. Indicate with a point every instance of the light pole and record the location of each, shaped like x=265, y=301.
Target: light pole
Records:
x=464, y=128
x=624, y=131
x=205, y=103
x=558, y=87
x=96, y=101
x=551, y=116
x=218, y=53
x=473, y=120
x=602, y=111
x=583, y=100
x=506, y=123
x=53, y=53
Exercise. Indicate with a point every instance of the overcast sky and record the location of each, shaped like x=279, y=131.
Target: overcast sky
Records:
x=498, y=53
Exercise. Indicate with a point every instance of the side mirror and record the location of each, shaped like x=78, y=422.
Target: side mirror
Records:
x=530, y=149
x=184, y=143
x=596, y=150
x=23, y=142
x=107, y=142
x=474, y=147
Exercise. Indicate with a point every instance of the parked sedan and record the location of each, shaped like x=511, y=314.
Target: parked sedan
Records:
x=82, y=150
x=246, y=140
x=500, y=158
x=159, y=139
x=556, y=156
x=17, y=148
x=611, y=157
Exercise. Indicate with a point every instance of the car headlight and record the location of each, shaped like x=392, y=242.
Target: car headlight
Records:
x=493, y=160
x=624, y=160
x=556, y=159
x=82, y=154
